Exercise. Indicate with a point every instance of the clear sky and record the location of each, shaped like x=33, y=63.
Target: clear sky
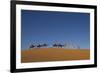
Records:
x=49, y=27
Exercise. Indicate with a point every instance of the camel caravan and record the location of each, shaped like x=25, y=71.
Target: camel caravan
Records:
x=55, y=45
x=38, y=46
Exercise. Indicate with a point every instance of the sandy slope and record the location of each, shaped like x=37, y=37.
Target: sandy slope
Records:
x=54, y=54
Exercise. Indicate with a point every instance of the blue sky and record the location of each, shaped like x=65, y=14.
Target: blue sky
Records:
x=49, y=27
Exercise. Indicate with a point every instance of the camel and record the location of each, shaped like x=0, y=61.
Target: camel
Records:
x=43, y=45
x=39, y=46
x=32, y=46
x=58, y=45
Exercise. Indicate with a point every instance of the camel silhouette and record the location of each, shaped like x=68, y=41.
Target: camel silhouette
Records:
x=32, y=46
x=58, y=45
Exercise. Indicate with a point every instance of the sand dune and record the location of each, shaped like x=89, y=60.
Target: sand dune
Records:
x=53, y=54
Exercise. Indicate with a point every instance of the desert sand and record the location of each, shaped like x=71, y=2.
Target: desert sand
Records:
x=53, y=54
